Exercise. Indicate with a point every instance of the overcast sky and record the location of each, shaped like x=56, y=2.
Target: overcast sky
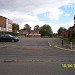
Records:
x=56, y=13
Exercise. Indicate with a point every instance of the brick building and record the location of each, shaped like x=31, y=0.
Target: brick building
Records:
x=65, y=34
x=70, y=33
x=5, y=24
x=34, y=33
x=30, y=33
x=72, y=30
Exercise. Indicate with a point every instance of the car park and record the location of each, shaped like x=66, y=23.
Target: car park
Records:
x=8, y=38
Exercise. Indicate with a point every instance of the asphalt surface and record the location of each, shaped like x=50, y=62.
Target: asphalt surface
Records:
x=36, y=56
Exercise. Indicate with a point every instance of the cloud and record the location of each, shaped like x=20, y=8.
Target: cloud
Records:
x=27, y=11
x=53, y=13
x=30, y=5
x=66, y=25
x=22, y=19
x=67, y=15
x=55, y=27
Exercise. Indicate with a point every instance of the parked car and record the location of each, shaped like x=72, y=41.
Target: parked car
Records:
x=8, y=38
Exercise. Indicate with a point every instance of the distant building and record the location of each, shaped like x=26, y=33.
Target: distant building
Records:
x=65, y=34
x=70, y=33
x=34, y=33
x=72, y=30
x=5, y=24
x=74, y=23
x=30, y=33
x=74, y=19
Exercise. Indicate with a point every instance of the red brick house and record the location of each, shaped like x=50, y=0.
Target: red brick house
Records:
x=70, y=33
x=65, y=34
x=30, y=33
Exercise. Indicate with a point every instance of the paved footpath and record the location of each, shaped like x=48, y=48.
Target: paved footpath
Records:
x=58, y=44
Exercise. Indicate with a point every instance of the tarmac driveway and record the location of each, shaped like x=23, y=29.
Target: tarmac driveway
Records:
x=35, y=56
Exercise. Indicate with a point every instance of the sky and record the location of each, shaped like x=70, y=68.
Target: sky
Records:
x=56, y=13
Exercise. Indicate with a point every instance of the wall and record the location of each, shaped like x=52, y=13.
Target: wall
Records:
x=8, y=25
x=5, y=24
x=3, y=21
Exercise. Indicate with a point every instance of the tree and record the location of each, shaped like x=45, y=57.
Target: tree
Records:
x=36, y=27
x=60, y=30
x=15, y=27
x=27, y=27
x=46, y=30
x=71, y=32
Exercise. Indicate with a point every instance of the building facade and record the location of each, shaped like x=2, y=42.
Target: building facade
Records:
x=30, y=33
x=5, y=24
x=34, y=34
x=65, y=34
x=70, y=33
x=72, y=30
x=74, y=26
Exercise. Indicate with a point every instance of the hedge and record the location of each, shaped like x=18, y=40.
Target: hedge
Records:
x=11, y=33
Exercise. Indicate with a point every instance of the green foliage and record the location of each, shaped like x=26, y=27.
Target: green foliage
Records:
x=46, y=30
x=60, y=30
x=15, y=27
x=27, y=27
x=11, y=33
x=36, y=27
x=71, y=34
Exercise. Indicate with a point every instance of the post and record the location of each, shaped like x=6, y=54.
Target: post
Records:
x=71, y=45
x=62, y=42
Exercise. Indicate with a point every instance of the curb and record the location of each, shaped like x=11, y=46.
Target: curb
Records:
x=58, y=46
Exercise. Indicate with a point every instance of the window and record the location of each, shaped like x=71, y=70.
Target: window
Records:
x=0, y=28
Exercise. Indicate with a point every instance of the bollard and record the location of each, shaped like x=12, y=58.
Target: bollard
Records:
x=62, y=42
x=71, y=45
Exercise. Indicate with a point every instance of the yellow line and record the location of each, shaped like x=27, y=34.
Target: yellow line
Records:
x=62, y=48
x=49, y=44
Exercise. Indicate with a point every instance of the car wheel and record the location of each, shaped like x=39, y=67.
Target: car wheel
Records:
x=12, y=40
